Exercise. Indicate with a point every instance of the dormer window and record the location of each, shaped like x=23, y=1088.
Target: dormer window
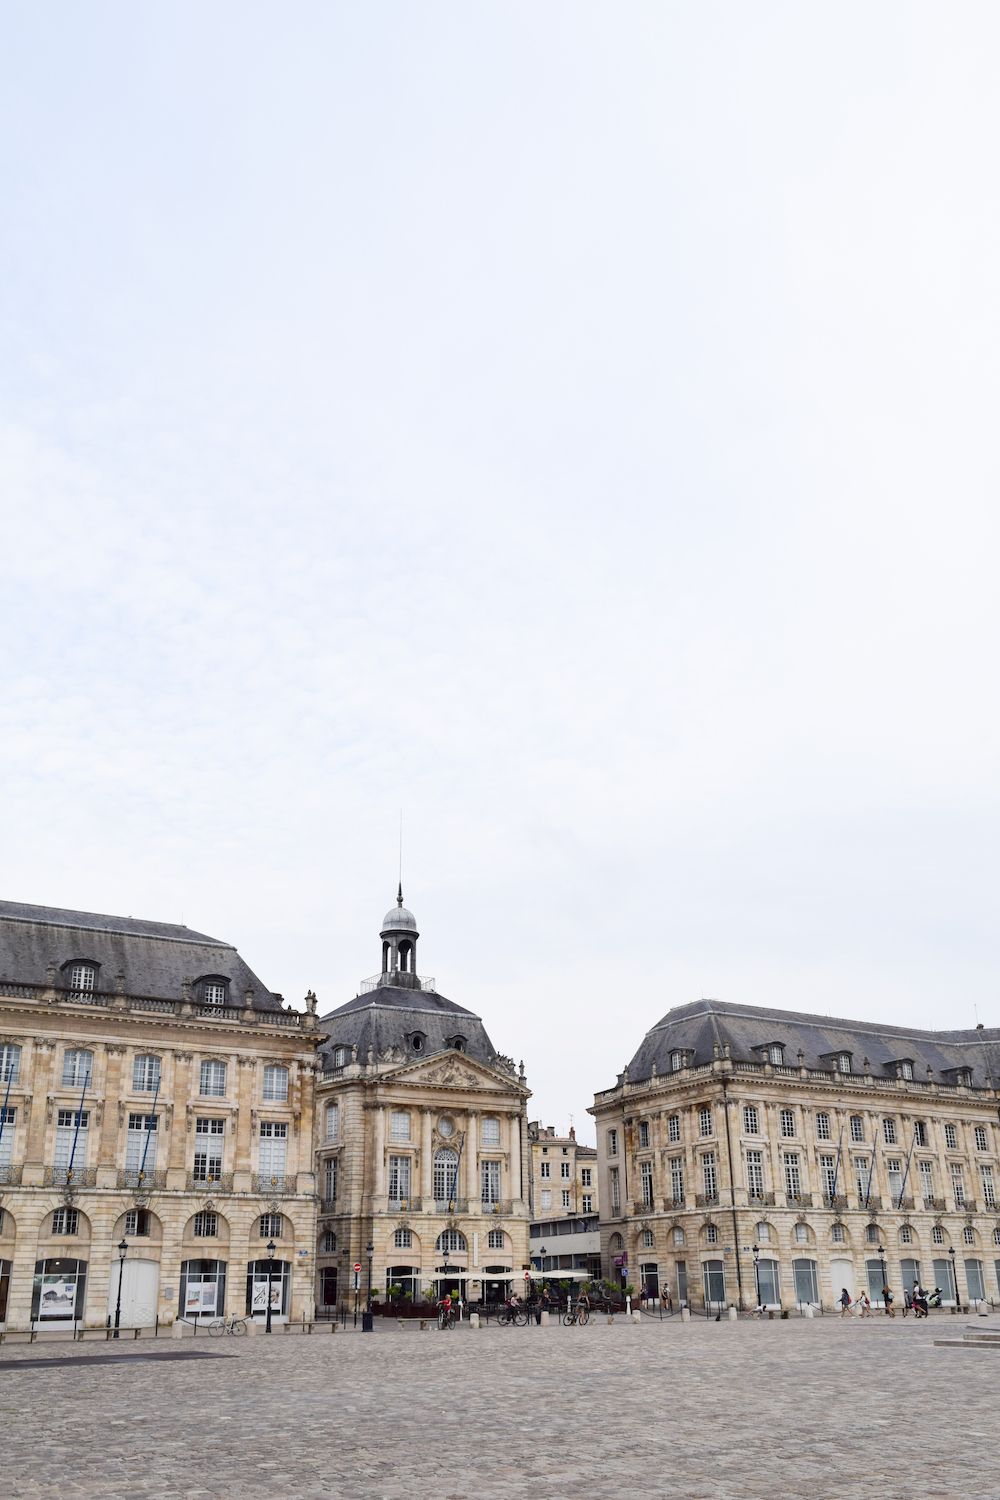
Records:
x=82, y=977
x=676, y=1060
x=212, y=990
x=417, y=1041
x=457, y=1042
x=843, y=1062
x=339, y=1058
x=904, y=1069
x=963, y=1077
x=775, y=1053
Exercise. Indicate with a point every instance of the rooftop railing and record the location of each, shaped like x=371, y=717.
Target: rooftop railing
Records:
x=232, y=1013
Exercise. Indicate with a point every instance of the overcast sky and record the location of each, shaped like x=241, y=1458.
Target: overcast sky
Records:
x=574, y=424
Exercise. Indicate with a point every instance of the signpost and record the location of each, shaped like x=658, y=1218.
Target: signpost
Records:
x=357, y=1288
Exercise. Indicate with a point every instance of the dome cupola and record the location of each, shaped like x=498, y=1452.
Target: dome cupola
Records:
x=399, y=945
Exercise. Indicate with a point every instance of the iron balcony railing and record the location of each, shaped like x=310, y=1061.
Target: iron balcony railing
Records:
x=70, y=1177
x=217, y=1182
x=328, y=1205
x=404, y=1205
x=451, y=1205
x=425, y=981
x=706, y=1200
x=496, y=1206
x=799, y=1200
x=132, y=1177
x=273, y=1182
x=10, y=1176
x=679, y=1201
x=232, y=1011
x=760, y=1200
x=935, y=1205
x=835, y=1200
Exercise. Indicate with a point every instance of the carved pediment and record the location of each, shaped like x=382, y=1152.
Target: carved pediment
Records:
x=452, y=1070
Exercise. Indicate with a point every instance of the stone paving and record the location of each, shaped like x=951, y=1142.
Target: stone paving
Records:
x=703, y=1411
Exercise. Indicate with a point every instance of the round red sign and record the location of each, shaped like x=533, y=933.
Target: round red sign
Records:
x=357, y=1265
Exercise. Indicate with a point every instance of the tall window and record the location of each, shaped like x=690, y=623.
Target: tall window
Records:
x=332, y=1121
x=140, y=1146
x=676, y=1061
x=399, y=1125
x=612, y=1143
x=490, y=1131
x=906, y=1071
x=861, y=1176
x=894, y=1172
x=711, y=1234
x=763, y=1233
x=776, y=1054
x=919, y=1133
x=843, y=1062
x=857, y=1128
x=905, y=1235
x=329, y=1242
x=445, y=1175
x=616, y=1197
x=957, y=1185
x=751, y=1120
x=823, y=1126
x=968, y=1235
x=889, y=1131
x=705, y=1119
x=545, y=1170
x=8, y=1119
x=926, y=1170
x=65, y=1221
x=793, y=1176
x=546, y=1198
x=275, y=1083
x=146, y=1074
x=982, y=1143
x=71, y=1126
x=330, y=1180
x=787, y=1121
x=270, y=1226
x=586, y=1176
x=564, y=1170
x=10, y=1062
x=489, y=1182
x=83, y=978
x=587, y=1206
x=644, y=1135
x=213, y=1080
x=937, y=1235
x=677, y=1178
x=828, y=1170
x=951, y=1137
x=646, y=1183
x=838, y=1234
x=674, y=1128
x=709, y=1175
x=755, y=1174
x=78, y=1066
x=989, y=1188
x=208, y=1137
x=566, y=1198
x=273, y=1151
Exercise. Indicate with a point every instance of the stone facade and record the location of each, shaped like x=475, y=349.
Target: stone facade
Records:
x=422, y=1142
x=750, y=1155
x=563, y=1174
x=153, y=1092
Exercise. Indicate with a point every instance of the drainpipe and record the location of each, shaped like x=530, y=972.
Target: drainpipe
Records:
x=732, y=1194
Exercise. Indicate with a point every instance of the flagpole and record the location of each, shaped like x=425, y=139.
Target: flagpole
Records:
x=906, y=1171
x=76, y=1131
x=150, y=1121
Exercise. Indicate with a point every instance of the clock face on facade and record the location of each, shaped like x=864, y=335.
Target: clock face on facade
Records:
x=446, y=1127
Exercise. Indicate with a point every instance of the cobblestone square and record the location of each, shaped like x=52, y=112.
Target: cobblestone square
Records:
x=703, y=1411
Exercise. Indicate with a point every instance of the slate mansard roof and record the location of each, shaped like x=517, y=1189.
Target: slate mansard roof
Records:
x=704, y=1025
x=154, y=957
x=389, y=1015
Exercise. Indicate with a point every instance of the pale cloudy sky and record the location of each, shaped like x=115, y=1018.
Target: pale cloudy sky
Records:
x=573, y=423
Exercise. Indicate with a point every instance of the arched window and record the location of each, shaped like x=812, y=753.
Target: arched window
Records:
x=647, y=1239
x=801, y=1234
x=678, y=1236
x=451, y=1241
x=403, y=1238
x=711, y=1234
x=996, y=1236
x=206, y=1225
x=82, y=978
x=417, y=1041
x=339, y=1057
x=445, y=1175
x=78, y=1067
x=495, y=1239
x=213, y=990
x=969, y=1235
x=871, y=1234
x=457, y=1042
x=271, y=1226
x=328, y=1242
x=937, y=1235
x=906, y=1235
x=838, y=1233
x=332, y=1121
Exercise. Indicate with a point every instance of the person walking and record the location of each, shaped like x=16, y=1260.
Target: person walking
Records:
x=845, y=1303
x=866, y=1307
x=888, y=1300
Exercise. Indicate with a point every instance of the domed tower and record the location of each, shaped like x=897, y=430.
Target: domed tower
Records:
x=399, y=946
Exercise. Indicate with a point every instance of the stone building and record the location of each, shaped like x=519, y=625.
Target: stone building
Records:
x=749, y=1154
x=154, y=1093
x=422, y=1141
x=563, y=1174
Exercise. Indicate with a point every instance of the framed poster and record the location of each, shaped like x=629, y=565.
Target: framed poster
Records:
x=200, y=1297
x=58, y=1297
x=258, y=1298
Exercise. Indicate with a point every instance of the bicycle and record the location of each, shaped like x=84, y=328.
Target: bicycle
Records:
x=446, y=1317
x=512, y=1317
x=236, y=1326
x=577, y=1314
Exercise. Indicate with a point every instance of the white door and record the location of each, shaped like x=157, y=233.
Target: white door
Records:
x=140, y=1284
x=841, y=1275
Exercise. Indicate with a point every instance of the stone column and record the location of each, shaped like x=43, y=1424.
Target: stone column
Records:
x=426, y=1160
x=245, y=1122
x=107, y=1151
x=181, y=1123
x=514, y=1146
x=36, y=1100
x=472, y=1158
x=378, y=1147
x=305, y=1111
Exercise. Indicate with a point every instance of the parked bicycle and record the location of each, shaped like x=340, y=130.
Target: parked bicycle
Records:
x=236, y=1326
x=579, y=1314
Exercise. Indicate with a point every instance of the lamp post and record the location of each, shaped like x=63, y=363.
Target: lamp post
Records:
x=756, y=1271
x=954, y=1278
x=271, y=1249
x=541, y=1260
x=881, y=1256
x=122, y=1252
x=369, y=1251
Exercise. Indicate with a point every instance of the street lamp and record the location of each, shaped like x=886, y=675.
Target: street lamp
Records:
x=122, y=1251
x=756, y=1271
x=369, y=1251
x=541, y=1259
x=954, y=1278
x=271, y=1250
x=881, y=1256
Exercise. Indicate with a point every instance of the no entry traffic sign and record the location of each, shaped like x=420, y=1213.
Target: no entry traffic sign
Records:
x=357, y=1267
